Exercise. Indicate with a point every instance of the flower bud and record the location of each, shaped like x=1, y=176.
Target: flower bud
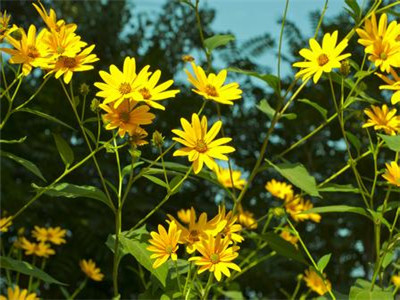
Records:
x=16, y=34
x=94, y=106
x=187, y=58
x=345, y=67
x=278, y=212
x=157, y=139
x=84, y=89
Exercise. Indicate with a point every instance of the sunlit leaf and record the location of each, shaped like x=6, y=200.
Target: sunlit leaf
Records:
x=218, y=40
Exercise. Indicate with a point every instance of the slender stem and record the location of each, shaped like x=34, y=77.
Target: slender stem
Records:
x=208, y=286
x=200, y=28
x=30, y=276
x=79, y=289
x=280, y=49
x=187, y=278
x=177, y=276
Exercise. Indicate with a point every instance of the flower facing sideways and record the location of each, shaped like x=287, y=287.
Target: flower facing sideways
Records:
x=38, y=249
x=54, y=235
x=225, y=177
x=392, y=173
x=278, y=189
x=216, y=256
x=164, y=244
x=286, y=235
x=382, y=119
x=232, y=229
x=321, y=59
x=18, y=294
x=201, y=146
x=247, y=219
x=184, y=215
x=316, y=283
x=212, y=86
x=5, y=223
x=89, y=268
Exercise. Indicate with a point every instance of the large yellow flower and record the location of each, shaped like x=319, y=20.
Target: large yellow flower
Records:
x=212, y=86
x=30, y=50
x=38, y=249
x=18, y=294
x=232, y=229
x=278, y=189
x=5, y=223
x=316, y=283
x=54, y=235
x=126, y=117
x=385, y=55
x=224, y=178
x=66, y=65
x=164, y=244
x=392, y=173
x=198, y=230
x=119, y=85
x=216, y=256
x=89, y=268
x=383, y=119
x=321, y=59
x=150, y=92
x=392, y=85
x=200, y=144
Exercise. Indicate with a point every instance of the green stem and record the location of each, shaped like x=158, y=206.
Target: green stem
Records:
x=79, y=289
x=187, y=278
x=177, y=276
x=208, y=286
x=30, y=276
x=200, y=28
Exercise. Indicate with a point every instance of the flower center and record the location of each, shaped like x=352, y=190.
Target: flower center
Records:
x=32, y=52
x=67, y=62
x=124, y=116
x=125, y=88
x=201, y=146
x=145, y=93
x=60, y=50
x=194, y=236
x=169, y=249
x=214, y=258
x=323, y=59
x=211, y=91
x=383, y=56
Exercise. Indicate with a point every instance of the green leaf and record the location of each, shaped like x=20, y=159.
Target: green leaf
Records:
x=378, y=217
x=270, y=112
x=283, y=247
x=69, y=190
x=19, y=141
x=135, y=244
x=271, y=80
x=91, y=135
x=76, y=101
x=25, y=163
x=354, y=141
x=391, y=141
x=26, y=268
x=156, y=180
x=218, y=41
x=64, y=149
x=319, y=108
x=172, y=184
x=234, y=295
x=334, y=188
x=127, y=169
x=46, y=116
x=323, y=262
x=389, y=206
x=387, y=259
x=339, y=208
x=362, y=291
x=298, y=175
x=353, y=9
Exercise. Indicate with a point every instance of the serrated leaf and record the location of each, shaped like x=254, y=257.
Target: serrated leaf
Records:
x=64, y=150
x=323, y=262
x=283, y=247
x=26, y=268
x=298, y=175
x=19, y=141
x=319, y=108
x=46, y=116
x=218, y=40
x=270, y=112
x=391, y=141
x=69, y=190
x=25, y=163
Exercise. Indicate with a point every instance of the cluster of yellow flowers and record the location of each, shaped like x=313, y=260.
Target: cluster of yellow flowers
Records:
x=56, y=49
x=216, y=240
x=294, y=204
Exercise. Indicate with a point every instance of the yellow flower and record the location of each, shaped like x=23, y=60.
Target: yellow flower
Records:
x=197, y=230
x=231, y=229
x=89, y=268
x=63, y=43
x=30, y=51
x=382, y=119
x=316, y=283
x=150, y=93
x=385, y=55
x=50, y=19
x=286, y=235
x=224, y=178
x=372, y=32
x=396, y=280
x=200, y=144
x=392, y=173
x=38, y=249
x=246, y=219
x=67, y=65
x=321, y=59
x=216, y=256
x=18, y=294
x=392, y=85
x=137, y=137
x=164, y=244
x=278, y=189
x=54, y=235
x=5, y=224
x=126, y=117
x=296, y=205
x=184, y=215
x=4, y=20
x=212, y=86
x=119, y=85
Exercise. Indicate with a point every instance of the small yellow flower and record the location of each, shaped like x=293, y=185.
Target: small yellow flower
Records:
x=382, y=119
x=126, y=117
x=216, y=256
x=224, y=178
x=137, y=137
x=38, y=249
x=184, y=215
x=49, y=18
x=316, y=283
x=200, y=144
x=4, y=21
x=321, y=59
x=232, y=229
x=212, y=86
x=187, y=58
x=246, y=219
x=5, y=223
x=392, y=85
x=18, y=294
x=286, y=235
x=89, y=268
x=164, y=244
x=278, y=189
x=54, y=235
x=385, y=55
x=396, y=280
x=392, y=173
x=296, y=206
